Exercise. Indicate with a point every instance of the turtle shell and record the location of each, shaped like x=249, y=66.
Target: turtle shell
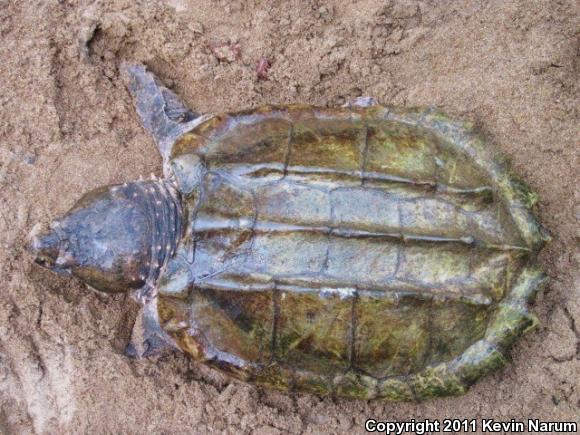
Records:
x=365, y=252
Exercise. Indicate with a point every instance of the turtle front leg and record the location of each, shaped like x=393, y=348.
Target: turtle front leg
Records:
x=162, y=112
x=148, y=337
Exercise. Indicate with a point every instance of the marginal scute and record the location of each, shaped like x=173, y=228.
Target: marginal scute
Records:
x=396, y=389
x=189, y=344
x=512, y=317
x=531, y=230
x=356, y=386
x=476, y=361
x=308, y=381
x=274, y=376
x=508, y=323
x=406, y=115
x=436, y=381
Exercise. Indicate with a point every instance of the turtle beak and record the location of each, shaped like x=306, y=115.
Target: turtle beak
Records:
x=44, y=244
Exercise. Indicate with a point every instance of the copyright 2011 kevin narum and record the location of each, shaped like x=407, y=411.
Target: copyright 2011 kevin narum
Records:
x=468, y=425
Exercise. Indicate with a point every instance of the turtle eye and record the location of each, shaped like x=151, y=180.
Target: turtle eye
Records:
x=45, y=262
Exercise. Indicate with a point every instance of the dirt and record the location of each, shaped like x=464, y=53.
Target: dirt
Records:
x=67, y=125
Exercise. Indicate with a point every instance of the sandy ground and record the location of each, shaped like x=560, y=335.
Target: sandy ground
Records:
x=67, y=125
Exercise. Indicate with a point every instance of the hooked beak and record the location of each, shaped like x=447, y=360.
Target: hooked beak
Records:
x=44, y=244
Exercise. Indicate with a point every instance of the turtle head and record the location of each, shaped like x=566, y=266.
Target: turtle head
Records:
x=115, y=238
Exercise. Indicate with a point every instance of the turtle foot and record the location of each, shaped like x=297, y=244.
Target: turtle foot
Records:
x=148, y=338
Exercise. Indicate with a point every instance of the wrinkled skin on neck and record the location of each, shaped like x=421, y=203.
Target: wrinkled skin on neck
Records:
x=115, y=238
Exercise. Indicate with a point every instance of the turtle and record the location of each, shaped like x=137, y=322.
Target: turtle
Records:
x=366, y=251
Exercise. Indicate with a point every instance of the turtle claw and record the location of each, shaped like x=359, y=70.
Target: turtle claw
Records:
x=151, y=346
x=148, y=337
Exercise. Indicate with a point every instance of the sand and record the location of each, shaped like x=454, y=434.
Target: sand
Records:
x=67, y=125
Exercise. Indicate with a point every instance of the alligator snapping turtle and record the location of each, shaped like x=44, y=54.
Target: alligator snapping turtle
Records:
x=363, y=251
